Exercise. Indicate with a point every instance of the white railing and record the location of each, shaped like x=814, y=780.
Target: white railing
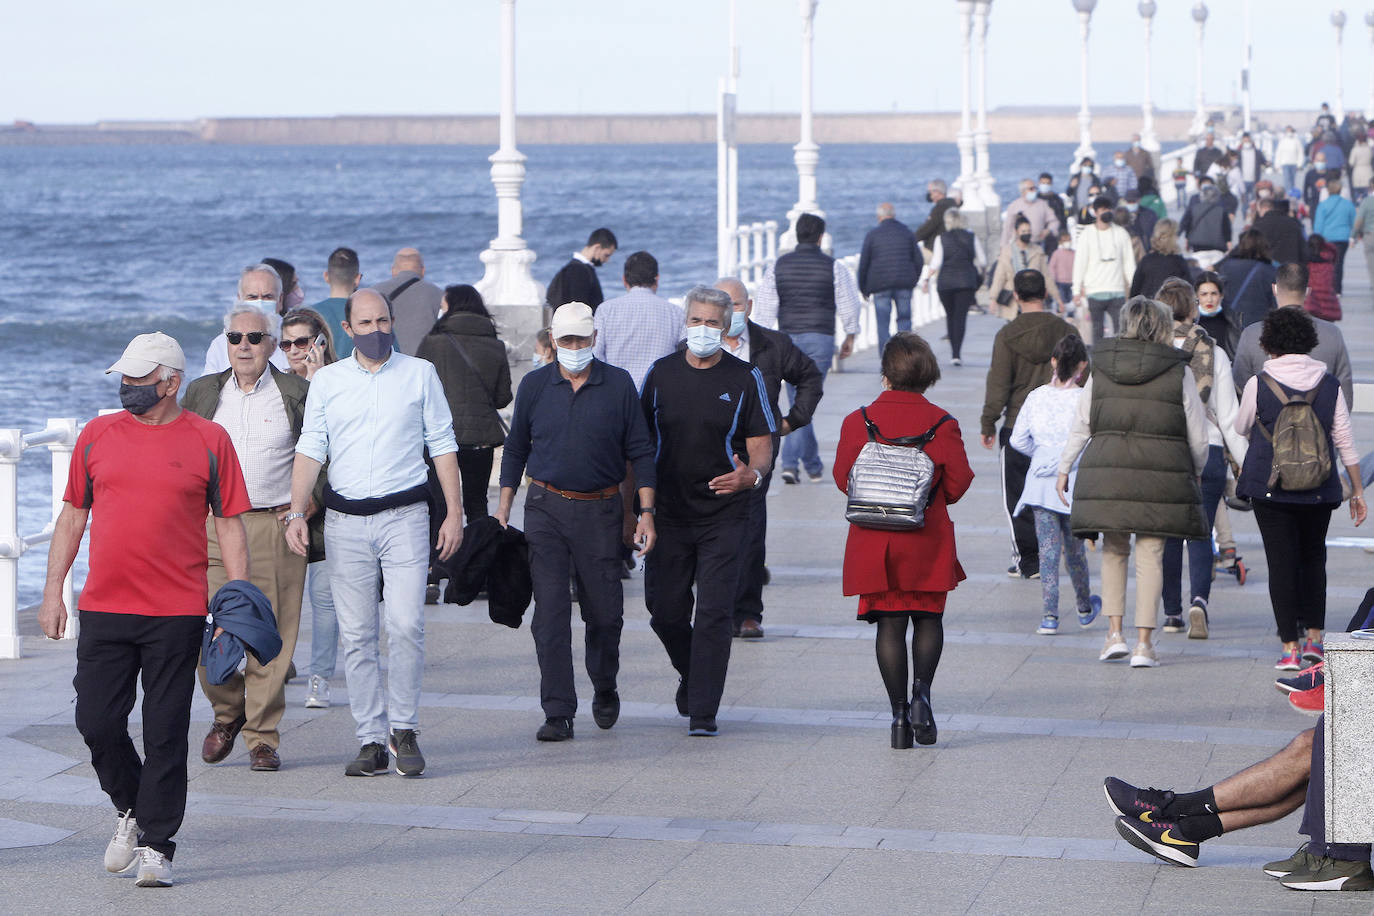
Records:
x=59, y=437
x=925, y=308
x=752, y=249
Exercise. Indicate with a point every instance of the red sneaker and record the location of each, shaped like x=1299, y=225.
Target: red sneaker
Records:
x=1289, y=661
x=1312, y=702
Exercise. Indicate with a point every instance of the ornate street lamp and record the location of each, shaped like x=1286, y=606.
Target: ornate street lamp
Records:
x=1148, y=141
x=1085, y=119
x=1338, y=21
x=1200, y=115
x=806, y=154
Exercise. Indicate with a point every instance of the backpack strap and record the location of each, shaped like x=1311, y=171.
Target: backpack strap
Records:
x=921, y=441
x=1284, y=400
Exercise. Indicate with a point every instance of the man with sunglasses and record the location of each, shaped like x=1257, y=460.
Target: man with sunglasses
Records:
x=263, y=410
x=259, y=284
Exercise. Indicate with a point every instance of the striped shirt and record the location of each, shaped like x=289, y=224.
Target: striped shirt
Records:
x=848, y=301
x=635, y=329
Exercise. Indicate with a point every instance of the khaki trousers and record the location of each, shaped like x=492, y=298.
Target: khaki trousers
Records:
x=1149, y=575
x=259, y=693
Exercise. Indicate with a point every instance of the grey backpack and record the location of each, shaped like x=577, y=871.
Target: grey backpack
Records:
x=1302, y=454
x=890, y=482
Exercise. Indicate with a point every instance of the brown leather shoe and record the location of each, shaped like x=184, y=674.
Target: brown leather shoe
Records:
x=750, y=629
x=264, y=759
x=220, y=741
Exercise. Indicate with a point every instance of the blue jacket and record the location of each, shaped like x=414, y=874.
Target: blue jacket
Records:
x=1335, y=218
x=245, y=615
x=890, y=259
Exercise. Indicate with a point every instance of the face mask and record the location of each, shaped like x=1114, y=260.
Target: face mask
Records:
x=737, y=322
x=139, y=399
x=376, y=345
x=1319, y=164
x=536, y=361
x=1031, y=196
x=1209, y=311
x=1132, y=207
x=1119, y=163
x=702, y=340
x=1025, y=237
x=930, y=198
x=597, y=262
x=1135, y=144
x=1086, y=170
x=1265, y=195
x=574, y=360
x=1046, y=188
x=1106, y=217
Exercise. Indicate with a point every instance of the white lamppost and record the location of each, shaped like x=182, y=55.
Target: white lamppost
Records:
x=1369, y=21
x=806, y=154
x=727, y=159
x=1245, y=75
x=1200, y=115
x=1338, y=20
x=967, y=184
x=982, y=10
x=507, y=284
x=1085, y=118
x=1148, y=141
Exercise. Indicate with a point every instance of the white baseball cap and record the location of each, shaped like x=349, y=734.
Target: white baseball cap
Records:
x=573, y=319
x=146, y=352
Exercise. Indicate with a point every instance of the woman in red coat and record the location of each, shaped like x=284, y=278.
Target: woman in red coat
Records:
x=906, y=575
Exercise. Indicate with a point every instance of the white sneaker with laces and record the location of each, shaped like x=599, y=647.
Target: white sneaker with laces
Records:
x=123, y=848
x=317, y=695
x=1144, y=656
x=154, y=869
x=1115, y=648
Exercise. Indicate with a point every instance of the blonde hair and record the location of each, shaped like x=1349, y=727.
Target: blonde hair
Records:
x=1145, y=319
x=1164, y=240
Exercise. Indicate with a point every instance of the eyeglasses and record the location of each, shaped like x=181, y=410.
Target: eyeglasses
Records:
x=254, y=337
x=300, y=342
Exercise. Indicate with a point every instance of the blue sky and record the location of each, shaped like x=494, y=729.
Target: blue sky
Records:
x=80, y=60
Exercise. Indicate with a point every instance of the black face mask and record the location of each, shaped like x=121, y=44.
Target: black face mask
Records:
x=597, y=262
x=1106, y=217
x=930, y=198
x=1025, y=237
x=139, y=399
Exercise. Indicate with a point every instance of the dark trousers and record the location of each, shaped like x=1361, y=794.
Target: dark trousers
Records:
x=749, y=594
x=1295, y=550
x=956, y=302
x=1199, y=549
x=708, y=555
x=1098, y=309
x=568, y=536
x=1341, y=249
x=1025, y=548
x=1314, y=811
x=112, y=652
x=474, y=467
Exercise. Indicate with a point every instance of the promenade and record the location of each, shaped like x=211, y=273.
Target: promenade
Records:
x=799, y=806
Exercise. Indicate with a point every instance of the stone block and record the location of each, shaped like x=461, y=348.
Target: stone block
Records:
x=1349, y=739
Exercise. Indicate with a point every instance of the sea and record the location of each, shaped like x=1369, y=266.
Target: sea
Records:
x=100, y=243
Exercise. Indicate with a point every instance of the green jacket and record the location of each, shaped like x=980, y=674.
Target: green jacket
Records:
x=1020, y=362
x=1136, y=474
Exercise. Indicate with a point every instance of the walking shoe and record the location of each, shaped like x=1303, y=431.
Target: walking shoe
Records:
x=789, y=476
x=1159, y=840
x=1327, y=874
x=1302, y=860
x=1094, y=608
x=220, y=740
x=122, y=850
x=555, y=728
x=923, y=726
x=682, y=696
x=263, y=759
x=432, y=593
x=290, y=671
x=1173, y=623
x=1128, y=801
x=1312, y=650
x=406, y=749
x=1305, y=679
x=1013, y=571
x=372, y=760
x=1312, y=702
x=1114, y=649
x=155, y=869
x=1144, y=656
x=750, y=629
x=1049, y=625
x=317, y=694
x=605, y=708
x=1033, y=574
x=816, y=477
x=956, y=361
x=1197, y=619
x=703, y=727
x=1289, y=661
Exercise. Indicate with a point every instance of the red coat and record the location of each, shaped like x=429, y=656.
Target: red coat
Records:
x=925, y=559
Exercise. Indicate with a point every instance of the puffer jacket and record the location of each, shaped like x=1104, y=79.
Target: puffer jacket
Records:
x=890, y=259
x=473, y=396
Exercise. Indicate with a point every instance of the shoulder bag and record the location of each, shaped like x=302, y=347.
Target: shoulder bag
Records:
x=890, y=482
x=490, y=393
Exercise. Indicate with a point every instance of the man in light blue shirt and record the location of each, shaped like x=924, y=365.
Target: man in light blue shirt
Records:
x=372, y=415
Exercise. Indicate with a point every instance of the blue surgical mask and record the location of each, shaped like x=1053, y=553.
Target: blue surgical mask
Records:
x=703, y=340
x=1031, y=196
x=1119, y=163
x=536, y=361
x=574, y=360
x=1085, y=170
x=737, y=323
x=1046, y=187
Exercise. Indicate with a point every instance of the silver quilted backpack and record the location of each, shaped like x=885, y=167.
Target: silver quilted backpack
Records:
x=889, y=484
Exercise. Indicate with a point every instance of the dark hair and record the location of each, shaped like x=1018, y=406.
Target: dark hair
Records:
x=465, y=298
x=1292, y=278
x=603, y=237
x=1101, y=202
x=1288, y=331
x=1020, y=218
x=1316, y=243
x=348, y=303
x=1212, y=277
x=318, y=326
x=810, y=228
x=1147, y=186
x=342, y=266
x=1252, y=246
x=641, y=269
x=1068, y=353
x=1178, y=296
x=1029, y=285
x=288, y=279
x=909, y=364
x=1046, y=176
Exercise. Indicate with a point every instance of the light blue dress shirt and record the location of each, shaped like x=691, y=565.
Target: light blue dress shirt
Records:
x=373, y=426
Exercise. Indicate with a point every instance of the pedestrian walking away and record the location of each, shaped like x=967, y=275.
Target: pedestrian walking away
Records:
x=889, y=265
x=957, y=264
x=576, y=280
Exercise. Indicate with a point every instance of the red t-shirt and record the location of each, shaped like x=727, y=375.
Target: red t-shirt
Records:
x=148, y=489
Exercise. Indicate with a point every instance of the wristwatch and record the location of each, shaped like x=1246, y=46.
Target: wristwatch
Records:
x=758, y=478
x=291, y=517
x=646, y=510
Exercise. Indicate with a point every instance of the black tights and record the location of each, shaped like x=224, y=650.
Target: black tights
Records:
x=927, y=641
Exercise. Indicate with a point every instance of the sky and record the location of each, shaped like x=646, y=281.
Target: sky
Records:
x=78, y=61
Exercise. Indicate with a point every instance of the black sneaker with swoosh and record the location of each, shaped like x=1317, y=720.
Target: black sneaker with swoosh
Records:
x=1160, y=839
x=1128, y=801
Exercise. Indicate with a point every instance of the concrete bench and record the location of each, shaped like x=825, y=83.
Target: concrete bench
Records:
x=1349, y=739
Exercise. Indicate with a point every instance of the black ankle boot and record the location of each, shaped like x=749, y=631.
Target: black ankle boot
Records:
x=901, y=725
x=922, y=717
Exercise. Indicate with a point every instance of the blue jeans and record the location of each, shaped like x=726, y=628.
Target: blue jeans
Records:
x=883, y=300
x=324, y=624
x=1290, y=175
x=1199, y=550
x=396, y=542
x=800, y=446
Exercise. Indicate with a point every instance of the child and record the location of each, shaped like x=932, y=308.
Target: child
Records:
x=1042, y=429
x=1061, y=271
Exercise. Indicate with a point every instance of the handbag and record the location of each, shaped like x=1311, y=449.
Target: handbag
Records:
x=890, y=482
x=491, y=395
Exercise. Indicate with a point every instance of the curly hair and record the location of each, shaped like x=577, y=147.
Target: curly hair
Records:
x=1288, y=330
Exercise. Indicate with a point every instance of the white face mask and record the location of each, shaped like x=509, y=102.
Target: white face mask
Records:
x=1031, y=196
x=574, y=360
x=703, y=340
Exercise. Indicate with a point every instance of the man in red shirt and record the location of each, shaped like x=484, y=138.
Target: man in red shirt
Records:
x=154, y=470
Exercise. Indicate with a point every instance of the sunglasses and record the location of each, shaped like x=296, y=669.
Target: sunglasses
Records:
x=254, y=337
x=300, y=342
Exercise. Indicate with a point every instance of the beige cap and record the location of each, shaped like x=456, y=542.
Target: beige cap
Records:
x=146, y=352
x=573, y=319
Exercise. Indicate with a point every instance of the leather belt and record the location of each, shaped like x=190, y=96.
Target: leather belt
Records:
x=282, y=508
x=572, y=494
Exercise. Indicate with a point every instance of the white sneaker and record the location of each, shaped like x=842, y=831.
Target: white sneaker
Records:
x=1114, y=649
x=1143, y=656
x=317, y=696
x=154, y=869
x=123, y=849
